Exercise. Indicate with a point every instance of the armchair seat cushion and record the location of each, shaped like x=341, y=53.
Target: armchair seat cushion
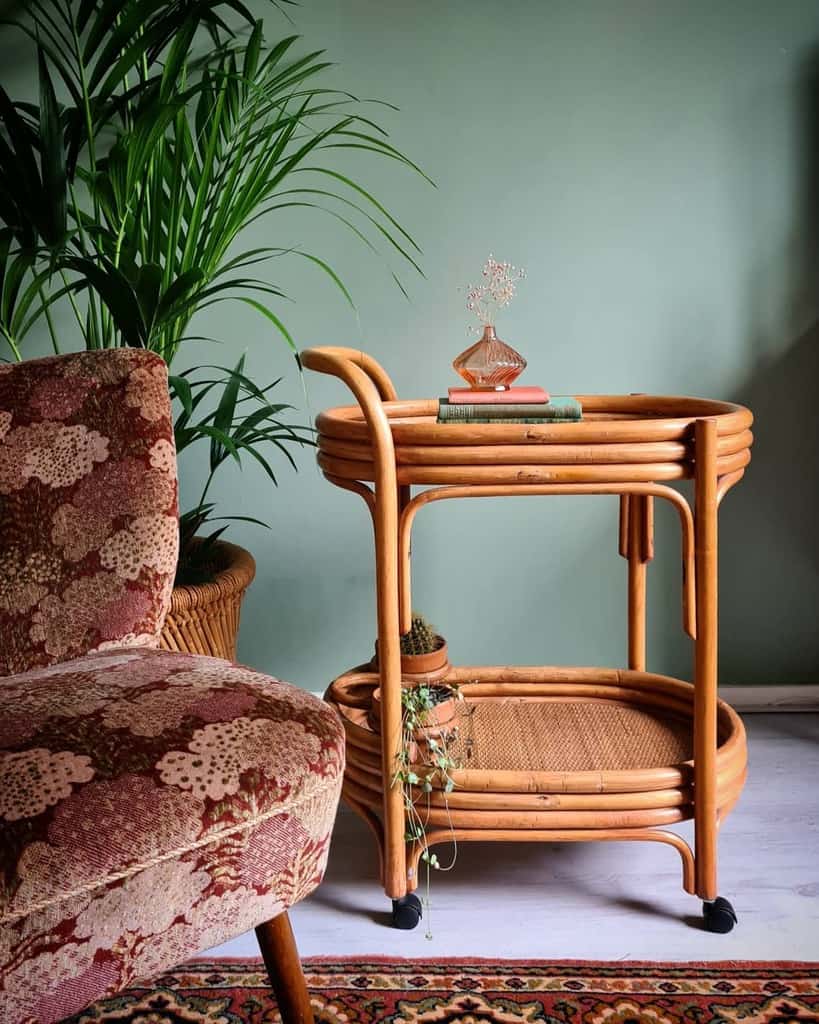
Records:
x=151, y=805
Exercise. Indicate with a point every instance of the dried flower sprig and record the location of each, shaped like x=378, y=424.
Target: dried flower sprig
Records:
x=496, y=290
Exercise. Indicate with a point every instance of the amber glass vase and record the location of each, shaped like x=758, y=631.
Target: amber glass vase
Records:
x=490, y=364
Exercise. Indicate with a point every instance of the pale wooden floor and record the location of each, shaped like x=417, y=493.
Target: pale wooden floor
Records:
x=605, y=901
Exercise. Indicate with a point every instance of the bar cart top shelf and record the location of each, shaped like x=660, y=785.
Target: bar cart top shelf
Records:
x=652, y=434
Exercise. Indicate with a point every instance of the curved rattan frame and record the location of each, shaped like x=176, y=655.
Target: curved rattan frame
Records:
x=632, y=446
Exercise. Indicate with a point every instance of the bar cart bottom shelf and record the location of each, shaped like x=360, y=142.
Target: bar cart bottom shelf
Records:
x=553, y=754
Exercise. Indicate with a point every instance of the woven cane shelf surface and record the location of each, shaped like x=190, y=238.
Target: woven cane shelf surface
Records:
x=568, y=736
x=558, y=732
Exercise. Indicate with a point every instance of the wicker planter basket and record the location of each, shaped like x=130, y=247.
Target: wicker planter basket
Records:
x=204, y=618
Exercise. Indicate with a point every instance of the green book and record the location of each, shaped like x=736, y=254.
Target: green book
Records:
x=560, y=407
x=541, y=420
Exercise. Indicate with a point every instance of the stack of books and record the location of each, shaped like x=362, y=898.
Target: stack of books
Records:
x=515, y=405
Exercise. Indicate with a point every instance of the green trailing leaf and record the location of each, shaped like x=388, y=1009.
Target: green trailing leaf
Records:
x=148, y=289
x=330, y=273
x=225, y=412
x=52, y=160
x=180, y=388
x=20, y=185
x=171, y=303
x=271, y=316
x=118, y=294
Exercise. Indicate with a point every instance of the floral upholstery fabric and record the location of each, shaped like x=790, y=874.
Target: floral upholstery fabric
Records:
x=151, y=805
x=88, y=513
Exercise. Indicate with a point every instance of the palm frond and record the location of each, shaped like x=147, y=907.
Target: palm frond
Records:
x=180, y=127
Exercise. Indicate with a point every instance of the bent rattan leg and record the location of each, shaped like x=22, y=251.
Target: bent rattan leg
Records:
x=281, y=958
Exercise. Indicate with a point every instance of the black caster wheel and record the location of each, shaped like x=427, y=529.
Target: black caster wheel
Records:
x=719, y=915
x=406, y=912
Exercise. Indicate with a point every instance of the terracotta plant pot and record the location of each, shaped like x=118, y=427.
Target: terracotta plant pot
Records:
x=438, y=722
x=422, y=668
x=204, y=617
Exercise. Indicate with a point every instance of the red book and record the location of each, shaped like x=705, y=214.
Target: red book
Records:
x=514, y=396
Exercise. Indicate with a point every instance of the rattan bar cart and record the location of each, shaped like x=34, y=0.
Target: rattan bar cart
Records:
x=566, y=754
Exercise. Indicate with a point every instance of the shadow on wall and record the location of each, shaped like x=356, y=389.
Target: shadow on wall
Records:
x=769, y=532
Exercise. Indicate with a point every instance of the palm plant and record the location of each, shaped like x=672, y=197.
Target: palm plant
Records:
x=128, y=197
x=230, y=431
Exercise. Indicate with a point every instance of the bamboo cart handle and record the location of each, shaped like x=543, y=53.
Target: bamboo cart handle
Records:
x=371, y=386
x=311, y=357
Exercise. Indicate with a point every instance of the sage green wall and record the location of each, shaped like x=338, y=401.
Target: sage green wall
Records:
x=653, y=165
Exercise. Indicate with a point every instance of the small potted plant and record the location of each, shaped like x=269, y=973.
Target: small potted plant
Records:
x=424, y=652
x=424, y=666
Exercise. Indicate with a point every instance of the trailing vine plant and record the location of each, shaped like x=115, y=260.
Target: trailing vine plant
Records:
x=424, y=759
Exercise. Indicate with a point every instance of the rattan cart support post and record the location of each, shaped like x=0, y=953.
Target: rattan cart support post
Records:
x=639, y=528
x=636, y=587
x=705, y=657
x=370, y=385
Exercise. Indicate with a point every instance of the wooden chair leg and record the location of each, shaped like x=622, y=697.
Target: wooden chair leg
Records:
x=281, y=958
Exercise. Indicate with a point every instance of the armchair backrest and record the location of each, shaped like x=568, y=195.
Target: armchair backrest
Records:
x=88, y=505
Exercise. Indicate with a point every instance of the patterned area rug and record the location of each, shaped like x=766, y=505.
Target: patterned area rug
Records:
x=366, y=991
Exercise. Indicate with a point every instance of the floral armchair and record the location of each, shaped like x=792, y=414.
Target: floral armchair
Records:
x=152, y=804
